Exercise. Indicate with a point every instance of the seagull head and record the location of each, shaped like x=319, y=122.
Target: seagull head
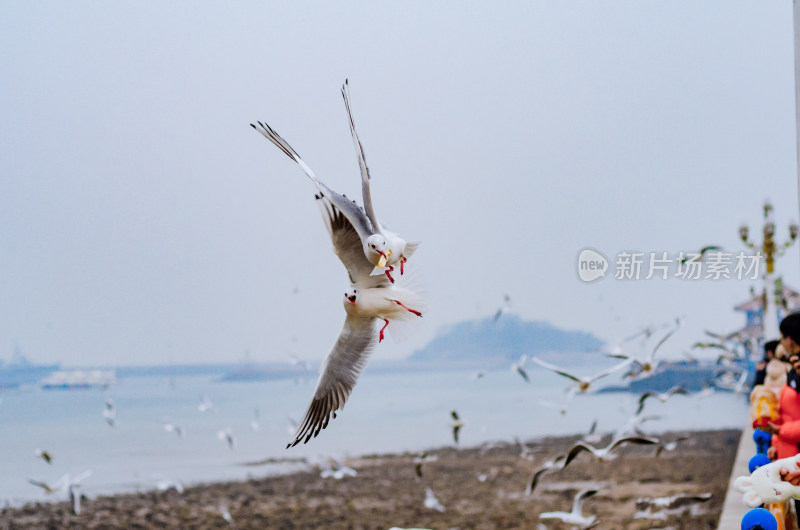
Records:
x=377, y=250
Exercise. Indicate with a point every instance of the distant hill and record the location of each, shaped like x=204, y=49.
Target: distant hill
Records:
x=503, y=341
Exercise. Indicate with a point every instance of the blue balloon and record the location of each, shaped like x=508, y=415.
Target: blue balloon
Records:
x=757, y=461
x=759, y=519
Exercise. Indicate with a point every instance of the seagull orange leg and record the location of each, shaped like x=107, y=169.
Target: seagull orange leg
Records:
x=380, y=336
x=387, y=271
x=402, y=261
x=398, y=302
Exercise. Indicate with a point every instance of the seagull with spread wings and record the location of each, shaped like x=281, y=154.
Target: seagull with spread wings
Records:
x=575, y=517
x=371, y=298
x=583, y=382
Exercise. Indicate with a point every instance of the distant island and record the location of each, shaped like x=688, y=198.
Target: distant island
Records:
x=503, y=341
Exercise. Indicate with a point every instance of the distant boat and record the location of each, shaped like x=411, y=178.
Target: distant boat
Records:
x=74, y=379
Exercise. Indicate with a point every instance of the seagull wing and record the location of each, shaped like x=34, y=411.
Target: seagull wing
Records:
x=347, y=244
x=340, y=372
x=662, y=341
x=642, y=440
x=555, y=369
x=362, y=161
x=534, y=480
x=610, y=371
x=575, y=450
x=579, y=498
x=642, y=399
x=348, y=207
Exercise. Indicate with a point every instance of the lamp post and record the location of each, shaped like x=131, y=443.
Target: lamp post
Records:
x=770, y=250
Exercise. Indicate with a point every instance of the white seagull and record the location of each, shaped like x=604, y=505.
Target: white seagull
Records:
x=646, y=365
x=575, y=517
x=432, y=502
x=205, y=404
x=554, y=464
x=456, y=425
x=372, y=244
x=662, y=397
x=397, y=249
x=606, y=453
x=226, y=435
x=110, y=412
x=369, y=299
x=583, y=382
x=519, y=367
x=505, y=308
x=335, y=469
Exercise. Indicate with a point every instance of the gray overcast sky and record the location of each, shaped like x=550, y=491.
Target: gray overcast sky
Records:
x=142, y=220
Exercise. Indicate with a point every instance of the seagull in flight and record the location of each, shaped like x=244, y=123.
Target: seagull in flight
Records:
x=44, y=455
x=552, y=465
x=662, y=397
x=583, y=382
x=110, y=412
x=205, y=404
x=519, y=367
x=369, y=299
x=607, y=453
x=646, y=364
x=226, y=435
x=456, y=425
x=337, y=470
x=505, y=308
x=375, y=247
x=575, y=517
x=397, y=249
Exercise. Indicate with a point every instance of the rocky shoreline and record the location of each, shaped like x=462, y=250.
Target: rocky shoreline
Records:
x=481, y=488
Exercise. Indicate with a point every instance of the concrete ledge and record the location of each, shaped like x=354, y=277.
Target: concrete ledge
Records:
x=733, y=508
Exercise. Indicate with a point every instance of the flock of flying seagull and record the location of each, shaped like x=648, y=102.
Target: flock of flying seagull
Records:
x=372, y=255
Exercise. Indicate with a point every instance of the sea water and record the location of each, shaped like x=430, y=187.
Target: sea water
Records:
x=387, y=412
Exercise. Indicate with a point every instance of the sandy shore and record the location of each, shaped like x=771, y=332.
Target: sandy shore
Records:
x=388, y=493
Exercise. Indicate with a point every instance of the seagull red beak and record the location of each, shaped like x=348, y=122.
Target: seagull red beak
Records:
x=352, y=299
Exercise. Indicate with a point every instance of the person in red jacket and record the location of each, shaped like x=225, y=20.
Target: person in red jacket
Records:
x=786, y=429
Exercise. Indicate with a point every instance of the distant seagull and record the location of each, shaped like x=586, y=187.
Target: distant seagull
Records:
x=505, y=308
x=525, y=452
x=592, y=437
x=646, y=364
x=44, y=455
x=478, y=375
x=574, y=517
x=254, y=422
x=168, y=484
x=205, y=404
x=171, y=427
x=675, y=501
x=335, y=469
x=583, y=382
x=419, y=460
x=669, y=446
x=75, y=498
x=226, y=435
x=432, y=502
x=519, y=367
x=700, y=254
x=554, y=464
x=456, y=425
x=292, y=427
x=47, y=488
x=729, y=382
x=296, y=361
x=662, y=397
x=606, y=453
x=110, y=412
x=223, y=511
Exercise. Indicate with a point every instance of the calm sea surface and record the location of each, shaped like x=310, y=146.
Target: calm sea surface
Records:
x=386, y=413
